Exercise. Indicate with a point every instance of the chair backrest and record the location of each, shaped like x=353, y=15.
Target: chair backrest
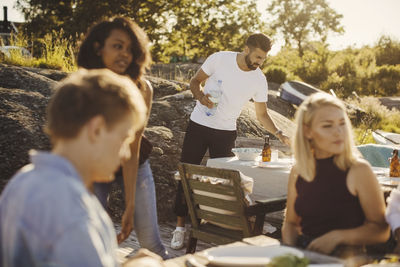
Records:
x=204, y=199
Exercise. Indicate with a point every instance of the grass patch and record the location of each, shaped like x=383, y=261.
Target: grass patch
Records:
x=377, y=117
x=55, y=52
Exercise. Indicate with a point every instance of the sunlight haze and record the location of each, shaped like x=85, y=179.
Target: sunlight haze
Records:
x=364, y=21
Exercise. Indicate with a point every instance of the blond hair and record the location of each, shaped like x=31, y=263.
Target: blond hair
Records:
x=88, y=93
x=305, y=161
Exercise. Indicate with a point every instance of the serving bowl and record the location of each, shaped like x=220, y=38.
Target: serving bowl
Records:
x=246, y=153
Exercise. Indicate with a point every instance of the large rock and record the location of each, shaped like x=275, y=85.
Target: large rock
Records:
x=24, y=96
x=25, y=92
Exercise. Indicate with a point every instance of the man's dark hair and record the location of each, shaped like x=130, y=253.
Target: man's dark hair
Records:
x=259, y=40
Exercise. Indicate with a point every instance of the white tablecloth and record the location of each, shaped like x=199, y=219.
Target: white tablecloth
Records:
x=268, y=182
x=382, y=174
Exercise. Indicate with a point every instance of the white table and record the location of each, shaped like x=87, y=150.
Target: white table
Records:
x=382, y=174
x=268, y=182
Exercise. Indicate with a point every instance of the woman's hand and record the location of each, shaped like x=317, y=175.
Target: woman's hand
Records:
x=326, y=243
x=291, y=222
x=126, y=224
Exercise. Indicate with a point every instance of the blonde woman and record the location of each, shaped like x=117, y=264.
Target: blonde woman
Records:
x=334, y=200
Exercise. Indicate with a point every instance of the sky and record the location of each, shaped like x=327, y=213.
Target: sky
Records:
x=364, y=21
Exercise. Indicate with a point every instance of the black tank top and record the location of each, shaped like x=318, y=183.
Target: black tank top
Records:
x=145, y=149
x=144, y=153
x=326, y=204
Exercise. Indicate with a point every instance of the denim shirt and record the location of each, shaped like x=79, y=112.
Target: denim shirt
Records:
x=48, y=218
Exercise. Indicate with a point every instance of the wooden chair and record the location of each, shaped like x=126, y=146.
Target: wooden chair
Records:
x=228, y=197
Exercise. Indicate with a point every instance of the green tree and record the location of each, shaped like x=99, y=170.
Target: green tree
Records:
x=43, y=17
x=299, y=20
x=183, y=27
x=202, y=27
x=75, y=16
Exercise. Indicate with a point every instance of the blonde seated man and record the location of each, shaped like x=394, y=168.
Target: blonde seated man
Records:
x=48, y=215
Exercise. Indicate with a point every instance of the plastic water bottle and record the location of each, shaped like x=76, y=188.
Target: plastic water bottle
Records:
x=215, y=92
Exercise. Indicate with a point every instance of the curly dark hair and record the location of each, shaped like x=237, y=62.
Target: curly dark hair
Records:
x=99, y=32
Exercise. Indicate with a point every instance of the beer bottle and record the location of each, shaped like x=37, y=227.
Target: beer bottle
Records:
x=395, y=164
x=266, y=152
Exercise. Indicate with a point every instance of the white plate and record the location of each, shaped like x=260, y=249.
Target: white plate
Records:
x=248, y=255
x=326, y=265
x=390, y=181
x=274, y=165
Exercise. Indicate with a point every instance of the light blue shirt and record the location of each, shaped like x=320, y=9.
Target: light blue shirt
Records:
x=48, y=218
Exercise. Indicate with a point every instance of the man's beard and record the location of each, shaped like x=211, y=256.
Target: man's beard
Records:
x=249, y=64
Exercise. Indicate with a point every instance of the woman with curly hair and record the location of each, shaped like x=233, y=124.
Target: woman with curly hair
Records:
x=122, y=46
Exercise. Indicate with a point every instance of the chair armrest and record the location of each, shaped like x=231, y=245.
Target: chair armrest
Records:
x=272, y=200
x=266, y=206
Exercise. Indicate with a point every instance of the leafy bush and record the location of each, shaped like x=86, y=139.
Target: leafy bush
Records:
x=334, y=82
x=386, y=80
x=363, y=136
x=376, y=117
x=387, y=51
x=314, y=64
x=58, y=52
x=276, y=74
x=288, y=59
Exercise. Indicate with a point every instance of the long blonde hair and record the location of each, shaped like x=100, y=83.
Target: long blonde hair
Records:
x=305, y=161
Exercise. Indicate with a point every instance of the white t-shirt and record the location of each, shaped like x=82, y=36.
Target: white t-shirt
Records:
x=238, y=87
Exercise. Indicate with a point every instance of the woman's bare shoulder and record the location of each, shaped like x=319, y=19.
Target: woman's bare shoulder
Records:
x=294, y=169
x=361, y=169
x=293, y=173
x=147, y=92
x=360, y=165
x=148, y=85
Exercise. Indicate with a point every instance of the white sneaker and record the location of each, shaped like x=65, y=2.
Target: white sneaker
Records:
x=177, y=239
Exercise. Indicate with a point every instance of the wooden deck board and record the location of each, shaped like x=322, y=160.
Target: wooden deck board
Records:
x=130, y=246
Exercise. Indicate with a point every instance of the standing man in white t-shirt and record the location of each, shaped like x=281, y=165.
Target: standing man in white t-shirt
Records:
x=241, y=80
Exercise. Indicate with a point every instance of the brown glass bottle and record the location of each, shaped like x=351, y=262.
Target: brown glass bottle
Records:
x=266, y=152
x=395, y=164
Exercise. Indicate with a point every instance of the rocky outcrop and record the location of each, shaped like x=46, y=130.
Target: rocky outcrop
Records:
x=23, y=98
x=24, y=94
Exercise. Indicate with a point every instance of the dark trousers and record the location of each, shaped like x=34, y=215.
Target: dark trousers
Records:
x=198, y=139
